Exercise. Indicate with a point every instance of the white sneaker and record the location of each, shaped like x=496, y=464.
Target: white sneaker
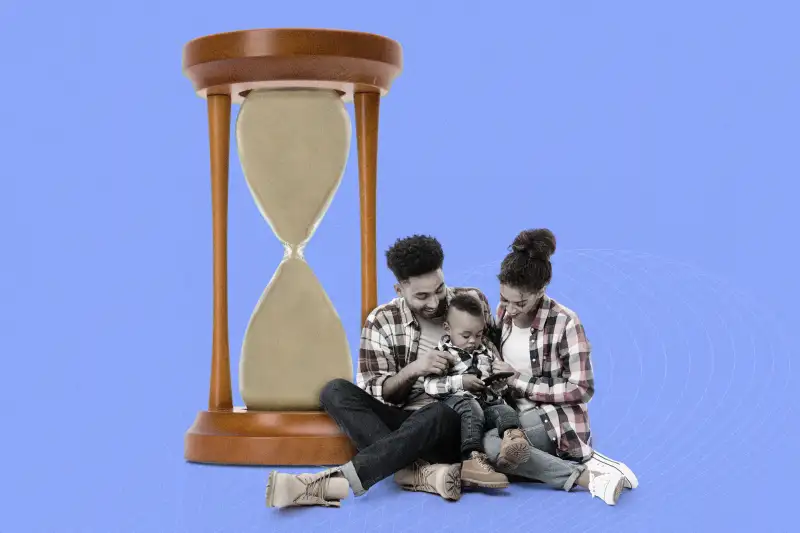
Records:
x=607, y=487
x=603, y=465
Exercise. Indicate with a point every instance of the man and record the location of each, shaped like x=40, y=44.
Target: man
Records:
x=396, y=427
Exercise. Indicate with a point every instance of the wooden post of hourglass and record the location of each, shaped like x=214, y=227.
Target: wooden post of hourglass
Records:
x=219, y=134
x=225, y=69
x=367, y=108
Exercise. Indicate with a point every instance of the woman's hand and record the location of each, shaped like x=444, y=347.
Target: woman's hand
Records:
x=501, y=366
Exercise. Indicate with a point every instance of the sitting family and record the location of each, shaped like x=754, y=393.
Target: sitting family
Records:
x=450, y=395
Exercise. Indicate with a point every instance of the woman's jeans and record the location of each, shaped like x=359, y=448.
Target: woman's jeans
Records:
x=543, y=465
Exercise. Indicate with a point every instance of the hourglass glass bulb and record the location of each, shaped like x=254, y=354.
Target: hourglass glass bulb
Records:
x=293, y=145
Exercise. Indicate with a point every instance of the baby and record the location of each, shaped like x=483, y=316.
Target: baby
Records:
x=481, y=406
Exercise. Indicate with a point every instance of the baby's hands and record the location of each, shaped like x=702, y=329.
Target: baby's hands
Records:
x=499, y=387
x=473, y=384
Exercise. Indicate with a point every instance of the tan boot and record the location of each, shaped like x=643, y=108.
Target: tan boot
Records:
x=325, y=488
x=477, y=472
x=444, y=480
x=514, y=450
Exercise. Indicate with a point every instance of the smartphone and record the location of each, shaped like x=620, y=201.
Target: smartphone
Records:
x=497, y=377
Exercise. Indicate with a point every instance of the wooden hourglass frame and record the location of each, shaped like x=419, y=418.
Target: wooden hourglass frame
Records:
x=275, y=73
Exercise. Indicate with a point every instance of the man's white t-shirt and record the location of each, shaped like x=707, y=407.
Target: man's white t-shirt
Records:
x=430, y=335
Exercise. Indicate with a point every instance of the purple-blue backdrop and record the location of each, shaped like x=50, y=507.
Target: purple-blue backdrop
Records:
x=659, y=142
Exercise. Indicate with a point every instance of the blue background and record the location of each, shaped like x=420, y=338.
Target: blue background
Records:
x=658, y=140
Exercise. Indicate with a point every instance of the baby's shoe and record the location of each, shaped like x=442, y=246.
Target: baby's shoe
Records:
x=477, y=472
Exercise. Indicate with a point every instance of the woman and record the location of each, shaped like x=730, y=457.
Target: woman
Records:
x=544, y=344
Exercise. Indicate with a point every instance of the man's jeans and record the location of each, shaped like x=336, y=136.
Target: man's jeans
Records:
x=387, y=438
x=476, y=418
x=543, y=465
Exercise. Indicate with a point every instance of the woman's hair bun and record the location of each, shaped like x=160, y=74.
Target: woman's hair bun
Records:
x=536, y=243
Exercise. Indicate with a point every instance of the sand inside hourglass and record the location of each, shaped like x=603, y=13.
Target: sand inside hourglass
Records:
x=293, y=146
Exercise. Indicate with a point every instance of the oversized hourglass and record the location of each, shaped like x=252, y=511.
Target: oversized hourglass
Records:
x=293, y=137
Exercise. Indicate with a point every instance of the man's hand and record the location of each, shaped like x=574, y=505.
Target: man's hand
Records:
x=429, y=363
x=472, y=383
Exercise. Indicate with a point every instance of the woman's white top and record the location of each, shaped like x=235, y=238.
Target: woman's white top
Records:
x=517, y=353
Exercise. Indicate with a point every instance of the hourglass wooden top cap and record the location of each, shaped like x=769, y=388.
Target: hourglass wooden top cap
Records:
x=236, y=62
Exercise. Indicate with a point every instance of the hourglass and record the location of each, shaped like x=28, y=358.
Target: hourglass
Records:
x=293, y=137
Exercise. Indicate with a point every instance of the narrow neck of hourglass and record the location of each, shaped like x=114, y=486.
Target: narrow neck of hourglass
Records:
x=293, y=251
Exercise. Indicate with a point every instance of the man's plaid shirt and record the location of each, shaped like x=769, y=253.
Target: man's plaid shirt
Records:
x=478, y=363
x=390, y=341
x=560, y=381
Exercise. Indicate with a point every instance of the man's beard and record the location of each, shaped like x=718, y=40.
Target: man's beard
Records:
x=434, y=313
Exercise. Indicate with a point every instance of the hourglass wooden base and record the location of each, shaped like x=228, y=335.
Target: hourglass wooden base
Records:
x=244, y=437
x=224, y=68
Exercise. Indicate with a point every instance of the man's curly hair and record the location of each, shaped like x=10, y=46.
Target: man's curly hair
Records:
x=414, y=256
